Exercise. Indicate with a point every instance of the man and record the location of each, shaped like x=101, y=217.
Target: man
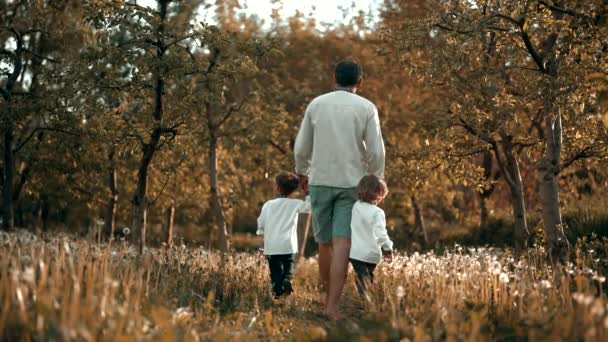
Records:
x=339, y=142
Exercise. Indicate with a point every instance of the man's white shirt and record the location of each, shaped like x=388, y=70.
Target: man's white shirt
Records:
x=348, y=145
x=278, y=222
x=368, y=233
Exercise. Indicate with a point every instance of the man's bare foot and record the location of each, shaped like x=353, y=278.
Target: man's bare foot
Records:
x=333, y=315
x=323, y=298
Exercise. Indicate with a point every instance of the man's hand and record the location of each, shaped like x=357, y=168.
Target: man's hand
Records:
x=303, y=183
x=387, y=255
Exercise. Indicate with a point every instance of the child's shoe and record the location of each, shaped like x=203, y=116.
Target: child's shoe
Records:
x=287, y=287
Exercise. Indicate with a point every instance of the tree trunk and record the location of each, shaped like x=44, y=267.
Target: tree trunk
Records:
x=169, y=225
x=21, y=183
x=27, y=170
x=140, y=200
x=42, y=213
x=483, y=211
x=548, y=170
x=484, y=195
x=38, y=213
x=110, y=220
x=216, y=203
x=510, y=170
x=518, y=204
x=419, y=224
x=8, y=222
x=19, y=221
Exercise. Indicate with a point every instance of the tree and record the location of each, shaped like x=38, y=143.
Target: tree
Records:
x=230, y=90
x=32, y=34
x=511, y=67
x=148, y=61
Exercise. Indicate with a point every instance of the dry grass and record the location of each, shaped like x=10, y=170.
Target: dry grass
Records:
x=67, y=289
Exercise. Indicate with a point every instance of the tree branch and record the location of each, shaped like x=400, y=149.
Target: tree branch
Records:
x=162, y=190
x=172, y=131
x=585, y=153
x=35, y=31
x=143, y=9
x=499, y=28
x=518, y=23
x=277, y=146
x=447, y=28
x=11, y=30
x=214, y=61
x=7, y=52
x=503, y=168
x=567, y=11
x=535, y=124
x=522, y=145
x=177, y=41
x=25, y=141
x=466, y=154
x=52, y=60
x=231, y=110
x=138, y=137
x=488, y=139
x=38, y=129
x=532, y=51
x=171, y=173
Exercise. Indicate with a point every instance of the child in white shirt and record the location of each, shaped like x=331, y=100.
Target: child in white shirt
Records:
x=369, y=239
x=278, y=222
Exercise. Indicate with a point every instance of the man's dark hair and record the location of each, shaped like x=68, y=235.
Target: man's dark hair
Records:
x=348, y=73
x=287, y=182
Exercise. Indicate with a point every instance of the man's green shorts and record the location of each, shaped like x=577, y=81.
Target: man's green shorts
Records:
x=331, y=212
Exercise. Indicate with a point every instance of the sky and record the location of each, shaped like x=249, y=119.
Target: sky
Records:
x=324, y=11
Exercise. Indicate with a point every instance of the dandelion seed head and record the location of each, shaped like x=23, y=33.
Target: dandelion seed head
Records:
x=400, y=291
x=434, y=32
x=504, y=278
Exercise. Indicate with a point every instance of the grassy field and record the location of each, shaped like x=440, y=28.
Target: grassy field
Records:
x=61, y=288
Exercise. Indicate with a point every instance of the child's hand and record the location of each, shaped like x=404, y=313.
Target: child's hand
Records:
x=388, y=256
x=303, y=183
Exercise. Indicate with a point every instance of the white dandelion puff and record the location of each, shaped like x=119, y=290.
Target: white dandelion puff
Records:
x=400, y=291
x=504, y=278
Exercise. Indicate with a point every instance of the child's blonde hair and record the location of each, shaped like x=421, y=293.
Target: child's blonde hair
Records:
x=371, y=188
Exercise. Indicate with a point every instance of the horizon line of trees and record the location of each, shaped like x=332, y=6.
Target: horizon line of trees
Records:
x=116, y=112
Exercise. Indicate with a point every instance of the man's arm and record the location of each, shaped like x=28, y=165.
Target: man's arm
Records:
x=374, y=145
x=303, y=147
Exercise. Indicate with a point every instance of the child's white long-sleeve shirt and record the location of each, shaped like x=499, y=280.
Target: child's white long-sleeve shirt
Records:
x=368, y=233
x=278, y=222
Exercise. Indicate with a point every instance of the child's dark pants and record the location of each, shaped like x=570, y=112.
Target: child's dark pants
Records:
x=365, y=275
x=281, y=272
